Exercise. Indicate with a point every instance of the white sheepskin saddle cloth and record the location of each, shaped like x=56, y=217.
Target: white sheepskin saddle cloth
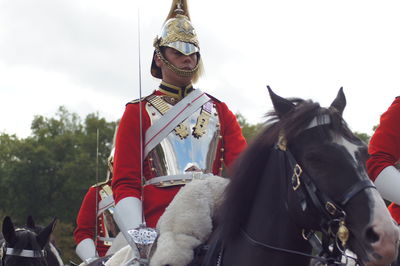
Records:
x=185, y=224
x=187, y=221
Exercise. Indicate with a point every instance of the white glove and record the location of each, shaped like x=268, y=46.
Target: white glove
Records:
x=128, y=215
x=388, y=184
x=86, y=250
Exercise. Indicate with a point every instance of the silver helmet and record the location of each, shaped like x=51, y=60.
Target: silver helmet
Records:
x=177, y=33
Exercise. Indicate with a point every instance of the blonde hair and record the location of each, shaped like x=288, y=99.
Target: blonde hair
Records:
x=199, y=72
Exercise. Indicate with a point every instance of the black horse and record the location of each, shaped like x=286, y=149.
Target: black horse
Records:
x=53, y=253
x=304, y=173
x=28, y=246
x=301, y=180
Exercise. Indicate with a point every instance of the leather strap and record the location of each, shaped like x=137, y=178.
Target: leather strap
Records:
x=178, y=113
x=106, y=239
x=105, y=203
x=354, y=189
x=28, y=253
x=169, y=180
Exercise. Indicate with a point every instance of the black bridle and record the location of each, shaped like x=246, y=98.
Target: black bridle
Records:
x=26, y=253
x=332, y=216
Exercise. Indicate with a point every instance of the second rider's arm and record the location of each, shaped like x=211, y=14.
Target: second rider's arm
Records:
x=384, y=150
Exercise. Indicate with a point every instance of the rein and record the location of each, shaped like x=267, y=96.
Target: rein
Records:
x=256, y=243
x=333, y=217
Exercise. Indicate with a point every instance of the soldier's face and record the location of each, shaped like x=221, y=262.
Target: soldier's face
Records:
x=186, y=62
x=179, y=60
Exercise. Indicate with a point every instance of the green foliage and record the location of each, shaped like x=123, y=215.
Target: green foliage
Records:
x=64, y=240
x=363, y=136
x=48, y=173
x=249, y=131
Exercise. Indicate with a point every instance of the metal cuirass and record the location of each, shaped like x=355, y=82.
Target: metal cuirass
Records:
x=105, y=214
x=191, y=147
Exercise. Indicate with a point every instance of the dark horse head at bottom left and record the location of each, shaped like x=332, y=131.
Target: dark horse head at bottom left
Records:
x=28, y=246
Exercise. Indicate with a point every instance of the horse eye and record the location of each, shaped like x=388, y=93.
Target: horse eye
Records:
x=362, y=154
x=315, y=159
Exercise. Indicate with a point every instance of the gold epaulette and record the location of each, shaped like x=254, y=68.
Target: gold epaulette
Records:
x=105, y=191
x=162, y=106
x=100, y=184
x=137, y=100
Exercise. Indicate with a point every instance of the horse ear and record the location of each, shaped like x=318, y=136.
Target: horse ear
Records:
x=30, y=223
x=9, y=231
x=44, y=236
x=281, y=105
x=340, y=102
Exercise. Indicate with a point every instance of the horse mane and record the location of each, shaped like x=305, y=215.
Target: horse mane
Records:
x=248, y=169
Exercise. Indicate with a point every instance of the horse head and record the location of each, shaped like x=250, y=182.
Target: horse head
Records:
x=305, y=173
x=23, y=246
x=53, y=254
x=340, y=199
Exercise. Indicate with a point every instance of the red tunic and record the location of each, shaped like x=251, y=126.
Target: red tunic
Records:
x=86, y=221
x=126, y=180
x=384, y=147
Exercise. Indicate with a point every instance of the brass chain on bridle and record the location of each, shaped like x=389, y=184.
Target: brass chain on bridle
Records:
x=332, y=214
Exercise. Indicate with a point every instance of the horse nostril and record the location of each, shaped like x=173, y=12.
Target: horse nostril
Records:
x=371, y=235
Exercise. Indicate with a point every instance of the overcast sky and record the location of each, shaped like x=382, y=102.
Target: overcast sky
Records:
x=83, y=54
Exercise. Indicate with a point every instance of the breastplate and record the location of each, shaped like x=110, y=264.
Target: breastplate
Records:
x=183, y=150
x=105, y=213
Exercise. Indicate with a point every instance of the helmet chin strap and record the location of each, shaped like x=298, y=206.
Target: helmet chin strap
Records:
x=179, y=71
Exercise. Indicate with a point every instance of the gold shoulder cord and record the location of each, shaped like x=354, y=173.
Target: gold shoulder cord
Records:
x=181, y=130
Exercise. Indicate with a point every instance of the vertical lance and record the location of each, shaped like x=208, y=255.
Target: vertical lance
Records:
x=140, y=115
x=97, y=188
x=143, y=236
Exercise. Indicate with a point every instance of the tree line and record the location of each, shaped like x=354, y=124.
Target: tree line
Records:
x=47, y=174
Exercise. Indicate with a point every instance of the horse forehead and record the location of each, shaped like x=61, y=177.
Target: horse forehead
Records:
x=351, y=147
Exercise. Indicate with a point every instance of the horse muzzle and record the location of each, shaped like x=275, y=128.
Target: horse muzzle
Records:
x=384, y=242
